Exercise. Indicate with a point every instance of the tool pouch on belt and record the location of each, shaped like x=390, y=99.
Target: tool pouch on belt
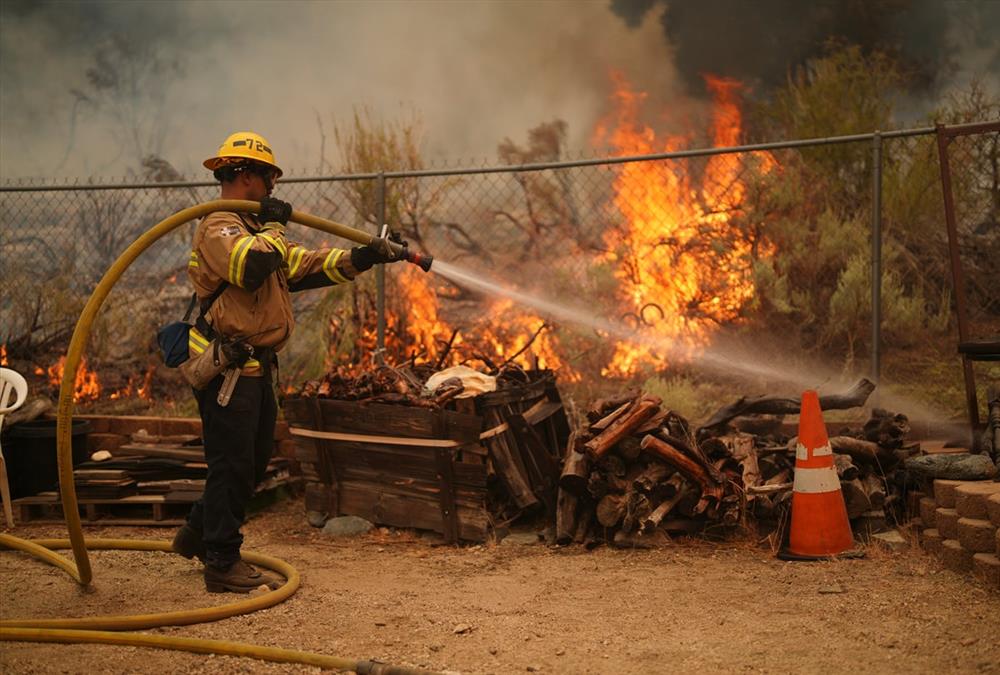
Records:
x=202, y=368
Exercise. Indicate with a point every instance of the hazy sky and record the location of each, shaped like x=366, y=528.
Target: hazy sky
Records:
x=473, y=71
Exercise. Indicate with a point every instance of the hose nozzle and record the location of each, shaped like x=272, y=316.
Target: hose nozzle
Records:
x=422, y=260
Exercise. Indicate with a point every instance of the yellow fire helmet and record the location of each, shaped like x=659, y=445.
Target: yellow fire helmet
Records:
x=241, y=146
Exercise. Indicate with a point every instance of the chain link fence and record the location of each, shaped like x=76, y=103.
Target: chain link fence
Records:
x=673, y=247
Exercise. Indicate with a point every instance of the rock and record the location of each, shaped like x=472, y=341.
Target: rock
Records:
x=260, y=590
x=954, y=467
x=927, y=507
x=560, y=651
x=520, y=539
x=993, y=509
x=534, y=669
x=462, y=629
x=971, y=498
x=986, y=567
x=977, y=535
x=944, y=492
x=346, y=526
x=947, y=522
x=494, y=650
x=954, y=557
x=316, y=518
x=892, y=540
x=931, y=541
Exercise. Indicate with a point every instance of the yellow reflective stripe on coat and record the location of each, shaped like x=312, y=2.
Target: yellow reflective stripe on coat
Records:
x=238, y=259
x=276, y=242
x=193, y=260
x=330, y=266
x=196, y=341
x=295, y=259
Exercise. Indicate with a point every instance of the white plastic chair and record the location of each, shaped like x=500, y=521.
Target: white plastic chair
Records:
x=11, y=382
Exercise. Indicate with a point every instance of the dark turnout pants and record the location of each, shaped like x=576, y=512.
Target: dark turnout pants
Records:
x=239, y=440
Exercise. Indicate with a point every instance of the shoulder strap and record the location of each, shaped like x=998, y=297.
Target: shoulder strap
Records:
x=210, y=300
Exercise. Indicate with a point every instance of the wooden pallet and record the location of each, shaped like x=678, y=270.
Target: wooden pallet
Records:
x=142, y=510
x=135, y=510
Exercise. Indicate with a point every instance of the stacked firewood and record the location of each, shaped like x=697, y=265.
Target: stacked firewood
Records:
x=401, y=385
x=638, y=472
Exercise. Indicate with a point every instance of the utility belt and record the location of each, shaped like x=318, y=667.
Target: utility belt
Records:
x=209, y=358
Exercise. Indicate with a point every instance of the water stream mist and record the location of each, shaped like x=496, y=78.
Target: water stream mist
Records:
x=726, y=360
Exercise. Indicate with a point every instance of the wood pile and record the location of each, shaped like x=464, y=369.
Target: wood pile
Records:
x=382, y=447
x=637, y=473
x=172, y=466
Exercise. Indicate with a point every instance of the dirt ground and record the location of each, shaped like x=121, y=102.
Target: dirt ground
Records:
x=509, y=608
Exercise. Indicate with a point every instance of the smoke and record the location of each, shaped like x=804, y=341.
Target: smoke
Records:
x=940, y=43
x=475, y=73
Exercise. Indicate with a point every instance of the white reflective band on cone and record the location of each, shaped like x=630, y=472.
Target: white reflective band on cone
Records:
x=802, y=452
x=816, y=480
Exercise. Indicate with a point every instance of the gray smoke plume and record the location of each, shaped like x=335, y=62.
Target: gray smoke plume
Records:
x=762, y=41
x=92, y=87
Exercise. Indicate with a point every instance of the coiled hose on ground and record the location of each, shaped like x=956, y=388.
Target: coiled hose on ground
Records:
x=108, y=629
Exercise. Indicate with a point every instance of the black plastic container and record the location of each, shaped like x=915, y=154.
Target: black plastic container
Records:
x=29, y=449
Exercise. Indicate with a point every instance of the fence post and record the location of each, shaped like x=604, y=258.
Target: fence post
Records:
x=876, y=257
x=380, y=275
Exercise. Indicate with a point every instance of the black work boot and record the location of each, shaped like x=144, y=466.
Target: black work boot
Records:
x=188, y=543
x=238, y=578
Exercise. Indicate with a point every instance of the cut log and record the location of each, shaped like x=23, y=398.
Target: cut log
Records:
x=639, y=412
x=715, y=447
x=649, y=479
x=603, y=423
x=789, y=406
x=610, y=509
x=583, y=522
x=855, y=498
x=653, y=423
x=637, y=507
x=845, y=467
x=864, y=452
x=613, y=465
x=887, y=429
x=629, y=448
x=875, y=489
x=710, y=488
x=604, y=406
x=597, y=485
x=575, y=473
x=651, y=521
x=769, y=489
x=759, y=425
x=566, y=504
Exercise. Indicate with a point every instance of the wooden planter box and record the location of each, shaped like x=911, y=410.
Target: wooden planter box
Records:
x=431, y=469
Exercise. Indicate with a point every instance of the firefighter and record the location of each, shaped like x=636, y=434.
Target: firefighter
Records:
x=242, y=268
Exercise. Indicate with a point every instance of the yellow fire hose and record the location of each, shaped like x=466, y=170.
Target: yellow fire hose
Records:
x=104, y=629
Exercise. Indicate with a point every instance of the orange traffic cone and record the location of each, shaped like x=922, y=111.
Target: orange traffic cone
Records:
x=819, y=518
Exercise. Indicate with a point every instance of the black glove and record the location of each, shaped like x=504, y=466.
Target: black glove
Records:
x=364, y=257
x=238, y=352
x=274, y=211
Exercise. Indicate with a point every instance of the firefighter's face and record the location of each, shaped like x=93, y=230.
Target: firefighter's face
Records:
x=258, y=185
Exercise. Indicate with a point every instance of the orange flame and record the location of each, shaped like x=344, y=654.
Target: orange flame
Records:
x=3, y=354
x=86, y=386
x=682, y=267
